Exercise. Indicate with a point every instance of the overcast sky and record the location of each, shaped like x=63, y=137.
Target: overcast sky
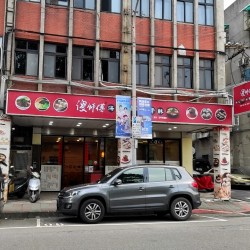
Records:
x=227, y=3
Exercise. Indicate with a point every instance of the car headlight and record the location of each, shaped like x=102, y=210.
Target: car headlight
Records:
x=71, y=194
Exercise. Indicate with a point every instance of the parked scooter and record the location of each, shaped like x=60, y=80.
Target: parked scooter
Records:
x=34, y=186
x=1, y=193
x=17, y=186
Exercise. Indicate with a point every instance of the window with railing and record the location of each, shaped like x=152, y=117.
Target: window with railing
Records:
x=26, y=58
x=184, y=72
x=83, y=64
x=206, y=12
x=185, y=11
x=163, y=9
x=206, y=74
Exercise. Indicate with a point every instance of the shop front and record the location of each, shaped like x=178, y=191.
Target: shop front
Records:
x=86, y=159
x=73, y=137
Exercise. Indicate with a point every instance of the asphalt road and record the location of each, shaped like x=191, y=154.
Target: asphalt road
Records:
x=143, y=233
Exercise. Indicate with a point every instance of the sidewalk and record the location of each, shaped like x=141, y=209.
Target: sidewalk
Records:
x=18, y=208
x=46, y=206
x=214, y=206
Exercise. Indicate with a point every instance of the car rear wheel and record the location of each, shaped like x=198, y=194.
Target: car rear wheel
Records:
x=92, y=211
x=181, y=209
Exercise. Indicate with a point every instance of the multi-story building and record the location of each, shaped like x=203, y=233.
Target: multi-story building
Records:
x=63, y=57
x=237, y=24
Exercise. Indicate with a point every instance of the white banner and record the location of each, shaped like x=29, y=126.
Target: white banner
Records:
x=5, y=133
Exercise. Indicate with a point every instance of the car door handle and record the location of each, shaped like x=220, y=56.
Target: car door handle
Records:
x=141, y=188
x=171, y=186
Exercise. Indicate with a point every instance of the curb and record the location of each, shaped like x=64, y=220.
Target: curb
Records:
x=6, y=216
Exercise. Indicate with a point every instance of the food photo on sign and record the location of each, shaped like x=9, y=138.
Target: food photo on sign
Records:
x=126, y=151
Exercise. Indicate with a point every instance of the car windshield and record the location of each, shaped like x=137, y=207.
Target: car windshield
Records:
x=109, y=175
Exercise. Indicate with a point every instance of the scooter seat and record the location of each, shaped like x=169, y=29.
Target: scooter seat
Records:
x=20, y=180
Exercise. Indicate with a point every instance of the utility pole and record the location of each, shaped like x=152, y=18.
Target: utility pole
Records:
x=134, y=140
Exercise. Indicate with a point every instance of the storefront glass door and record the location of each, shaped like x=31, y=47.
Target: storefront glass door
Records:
x=73, y=156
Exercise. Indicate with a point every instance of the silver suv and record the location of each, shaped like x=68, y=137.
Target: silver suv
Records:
x=158, y=189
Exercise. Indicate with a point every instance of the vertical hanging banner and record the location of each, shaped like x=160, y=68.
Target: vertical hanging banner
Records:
x=221, y=163
x=144, y=111
x=124, y=152
x=123, y=117
x=5, y=129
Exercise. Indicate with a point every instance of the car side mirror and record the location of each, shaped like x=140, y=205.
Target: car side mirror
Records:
x=117, y=182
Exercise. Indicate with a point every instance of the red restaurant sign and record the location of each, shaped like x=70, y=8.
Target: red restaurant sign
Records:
x=241, y=94
x=46, y=104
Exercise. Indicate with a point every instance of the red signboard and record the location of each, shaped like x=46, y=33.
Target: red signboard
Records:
x=101, y=107
x=60, y=105
x=191, y=113
x=241, y=94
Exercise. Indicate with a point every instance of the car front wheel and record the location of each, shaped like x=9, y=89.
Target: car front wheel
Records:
x=181, y=209
x=92, y=211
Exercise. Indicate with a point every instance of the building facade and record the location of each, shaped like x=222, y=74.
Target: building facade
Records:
x=237, y=26
x=53, y=51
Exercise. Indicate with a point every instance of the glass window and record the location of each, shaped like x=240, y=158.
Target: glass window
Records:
x=163, y=9
x=111, y=6
x=110, y=63
x=26, y=58
x=156, y=174
x=110, y=152
x=1, y=51
x=184, y=72
x=169, y=175
x=58, y=2
x=84, y=4
x=206, y=74
x=132, y=176
x=142, y=151
x=142, y=69
x=162, y=71
x=51, y=152
x=156, y=150
x=142, y=7
x=177, y=174
x=32, y=64
x=185, y=11
x=206, y=12
x=172, y=150
x=55, y=57
x=83, y=64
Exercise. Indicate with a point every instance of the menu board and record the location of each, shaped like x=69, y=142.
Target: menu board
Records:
x=51, y=177
x=221, y=163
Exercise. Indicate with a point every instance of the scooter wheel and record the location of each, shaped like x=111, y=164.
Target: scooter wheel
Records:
x=20, y=195
x=33, y=197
